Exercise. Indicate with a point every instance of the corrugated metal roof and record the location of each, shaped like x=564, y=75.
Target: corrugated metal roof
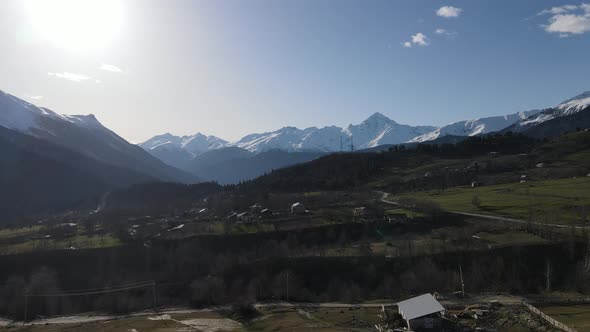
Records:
x=419, y=306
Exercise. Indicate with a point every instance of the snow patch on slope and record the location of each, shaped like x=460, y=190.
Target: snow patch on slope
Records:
x=474, y=127
x=567, y=107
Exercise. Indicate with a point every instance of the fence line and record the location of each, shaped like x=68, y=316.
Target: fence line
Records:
x=549, y=319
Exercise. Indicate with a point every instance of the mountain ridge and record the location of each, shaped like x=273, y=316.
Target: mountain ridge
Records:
x=84, y=134
x=377, y=129
x=565, y=109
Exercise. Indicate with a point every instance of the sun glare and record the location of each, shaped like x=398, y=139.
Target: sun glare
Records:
x=77, y=25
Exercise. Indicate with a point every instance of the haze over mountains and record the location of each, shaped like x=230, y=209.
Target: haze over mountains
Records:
x=195, y=154
x=83, y=134
x=374, y=131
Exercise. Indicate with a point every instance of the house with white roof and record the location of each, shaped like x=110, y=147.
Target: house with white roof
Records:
x=422, y=312
x=298, y=208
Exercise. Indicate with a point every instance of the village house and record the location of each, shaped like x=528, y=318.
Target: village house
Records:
x=422, y=312
x=266, y=213
x=232, y=216
x=256, y=208
x=298, y=208
x=246, y=217
x=361, y=212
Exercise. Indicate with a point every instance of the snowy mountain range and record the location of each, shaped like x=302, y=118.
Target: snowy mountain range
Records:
x=374, y=131
x=194, y=144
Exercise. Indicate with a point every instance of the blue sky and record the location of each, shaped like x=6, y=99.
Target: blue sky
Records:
x=230, y=68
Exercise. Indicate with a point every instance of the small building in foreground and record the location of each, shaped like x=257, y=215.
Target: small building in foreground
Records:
x=422, y=312
x=298, y=208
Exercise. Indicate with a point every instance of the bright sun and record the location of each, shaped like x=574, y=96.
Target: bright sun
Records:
x=77, y=25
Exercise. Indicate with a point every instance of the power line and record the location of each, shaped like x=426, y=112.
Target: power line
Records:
x=105, y=288
x=93, y=291
x=108, y=290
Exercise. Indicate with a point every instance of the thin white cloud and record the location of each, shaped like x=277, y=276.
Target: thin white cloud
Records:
x=70, y=76
x=567, y=20
x=445, y=32
x=420, y=39
x=36, y=97
x=449, y=11
x=558, y=10
x=111, y=68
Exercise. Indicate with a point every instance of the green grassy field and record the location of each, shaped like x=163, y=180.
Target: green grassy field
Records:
x=27, y=239
x=563, y=201
x=403, y=212
x=76, y=242
x=577, y=316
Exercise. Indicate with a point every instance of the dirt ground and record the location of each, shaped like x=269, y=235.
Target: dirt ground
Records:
x=269, y=319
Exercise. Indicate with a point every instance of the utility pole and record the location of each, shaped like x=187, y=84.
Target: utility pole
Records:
x=26, y=300
x=548, y=275
x=462, y=283
x=351, y=143
x=287, y=299
x=340, y=143
x=154, y=288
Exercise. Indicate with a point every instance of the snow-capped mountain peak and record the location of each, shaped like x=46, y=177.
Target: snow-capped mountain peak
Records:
x=377, y=118
x=379, y=130
x=575, y=104
x=25, y=117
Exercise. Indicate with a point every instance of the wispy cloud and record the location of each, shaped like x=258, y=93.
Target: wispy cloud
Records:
x=111, y=68
x=70, y=76
x=445, y=32
x=567, y=20
x=558, y=10
x=449, y=11
x=419, y=39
